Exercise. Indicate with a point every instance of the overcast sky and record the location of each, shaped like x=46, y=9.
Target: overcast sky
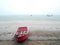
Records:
x=28, y=7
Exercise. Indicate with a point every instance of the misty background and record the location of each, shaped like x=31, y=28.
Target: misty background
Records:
x=29, y=7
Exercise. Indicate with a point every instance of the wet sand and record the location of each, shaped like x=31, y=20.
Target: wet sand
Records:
x=30, y=43
x=36, y=42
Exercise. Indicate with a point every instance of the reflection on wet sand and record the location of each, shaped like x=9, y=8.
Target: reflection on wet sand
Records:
x=30, y=43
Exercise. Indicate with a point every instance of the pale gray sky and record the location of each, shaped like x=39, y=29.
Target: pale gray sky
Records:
x=28, y=7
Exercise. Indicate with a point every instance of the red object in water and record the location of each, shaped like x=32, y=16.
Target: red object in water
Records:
x=21, y=34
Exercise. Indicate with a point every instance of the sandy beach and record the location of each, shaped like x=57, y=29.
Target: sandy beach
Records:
x=30, y=43
x=38, y=29
x=35, y=42
x=8, y=28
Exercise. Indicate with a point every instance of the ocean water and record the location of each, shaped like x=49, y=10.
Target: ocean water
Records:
x=29, y=17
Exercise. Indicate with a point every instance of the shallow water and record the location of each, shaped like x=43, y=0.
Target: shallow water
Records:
x=29, y=17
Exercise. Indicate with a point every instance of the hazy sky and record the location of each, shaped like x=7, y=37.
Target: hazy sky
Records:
x=28, y=7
